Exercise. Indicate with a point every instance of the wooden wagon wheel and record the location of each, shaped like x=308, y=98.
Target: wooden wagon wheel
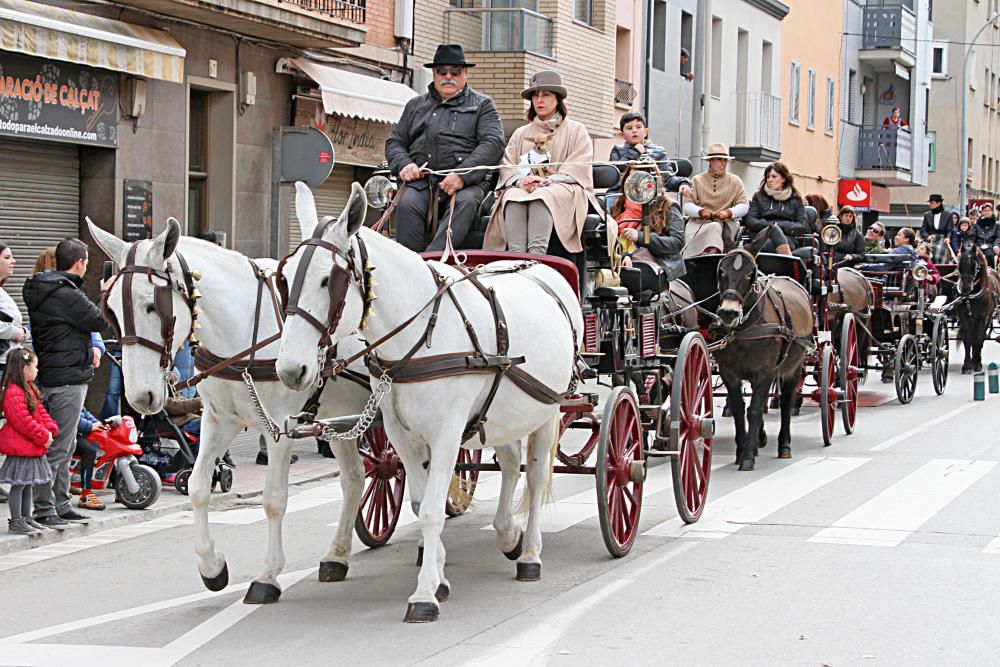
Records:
x=939, y=361
x=827, y=394
x=692, y=426
x=382, y=499
x=850, y=360
x=906, y=365
x=463, y=484
x=620, y=471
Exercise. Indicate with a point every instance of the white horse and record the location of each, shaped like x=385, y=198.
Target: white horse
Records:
x=425, y=420
x=228, y=285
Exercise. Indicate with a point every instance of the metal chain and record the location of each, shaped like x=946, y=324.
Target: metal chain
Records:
x=367, y=415
x=270, y=426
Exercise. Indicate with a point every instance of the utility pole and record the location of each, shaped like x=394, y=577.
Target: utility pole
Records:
x=964, y=94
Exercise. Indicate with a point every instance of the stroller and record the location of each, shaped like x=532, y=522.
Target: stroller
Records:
x=170, y=451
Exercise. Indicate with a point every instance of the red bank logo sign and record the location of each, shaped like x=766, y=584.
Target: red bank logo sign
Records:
x=855, y=193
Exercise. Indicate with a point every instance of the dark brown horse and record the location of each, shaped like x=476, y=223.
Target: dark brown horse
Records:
x=767, y=323
x=978, y=295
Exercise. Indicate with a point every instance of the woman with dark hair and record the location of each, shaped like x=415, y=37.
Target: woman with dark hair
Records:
x=662, y=253
x=851, y=248
x=12, y=331
x=824, y=213
x=777, y=206
x=535, y=194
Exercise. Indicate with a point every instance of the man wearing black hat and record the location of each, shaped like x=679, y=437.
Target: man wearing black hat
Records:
x=937, y=221
x=451, y=127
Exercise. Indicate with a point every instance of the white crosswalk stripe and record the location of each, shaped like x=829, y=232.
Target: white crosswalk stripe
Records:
x=896, y=513
x=755, y=501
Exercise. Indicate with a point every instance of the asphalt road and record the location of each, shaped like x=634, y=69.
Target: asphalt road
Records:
x=882, y=549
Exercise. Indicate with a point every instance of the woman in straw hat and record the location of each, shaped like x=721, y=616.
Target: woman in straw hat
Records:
x=713, y=203
x=529, y=203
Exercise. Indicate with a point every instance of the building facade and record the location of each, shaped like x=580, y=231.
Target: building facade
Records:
x=670, y=91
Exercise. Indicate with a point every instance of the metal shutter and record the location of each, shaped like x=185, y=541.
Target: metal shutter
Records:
x=39, y=202
x=331, y=197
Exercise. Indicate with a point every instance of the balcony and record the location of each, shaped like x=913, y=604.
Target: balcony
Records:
x=625, y=94
x=885, y=156
x=758, y=127
x=511, y=30
x=889, y=38
x=300, y=23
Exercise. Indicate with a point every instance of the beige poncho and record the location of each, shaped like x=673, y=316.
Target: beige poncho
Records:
x=715, y=192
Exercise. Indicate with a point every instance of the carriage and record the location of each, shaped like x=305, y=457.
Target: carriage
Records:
x=659, y=405
x=907, y=331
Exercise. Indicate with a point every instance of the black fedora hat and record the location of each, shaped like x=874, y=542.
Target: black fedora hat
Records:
x=935, y=198
x=449, y=54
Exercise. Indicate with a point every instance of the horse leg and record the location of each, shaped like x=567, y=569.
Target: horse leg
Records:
x=333, y=566
x=977, y=352
x=541, y=444
x=759, y=389
x=416, y=462
x=216, y=435
x=510, y=537
x=424, y=605
x=264, y=589
x=788, y=394
x=735, y=390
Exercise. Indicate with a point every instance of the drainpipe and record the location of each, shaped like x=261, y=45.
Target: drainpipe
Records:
x=699, y=126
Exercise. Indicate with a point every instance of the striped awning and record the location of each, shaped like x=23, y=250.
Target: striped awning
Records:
x=61, y=34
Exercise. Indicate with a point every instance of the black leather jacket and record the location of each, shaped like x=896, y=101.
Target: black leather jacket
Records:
x=667, y=248
x=987, y=233
x=625, y=152
x=462, y=131
x=851, y=243
x=789, y=214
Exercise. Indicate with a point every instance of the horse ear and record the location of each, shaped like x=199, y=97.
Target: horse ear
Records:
x=114, y=247
x=357, y=207
x=166, y=242
x=757, y=242
x=305, y=209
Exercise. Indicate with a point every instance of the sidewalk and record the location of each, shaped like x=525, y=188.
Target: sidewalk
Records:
x=248, y=481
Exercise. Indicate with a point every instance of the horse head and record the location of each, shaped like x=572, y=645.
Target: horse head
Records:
x=150, y=307
x=971, y=267
x=327, y=287
x=736, y=276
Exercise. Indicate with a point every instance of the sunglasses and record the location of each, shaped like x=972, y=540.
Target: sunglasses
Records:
x=442, y=70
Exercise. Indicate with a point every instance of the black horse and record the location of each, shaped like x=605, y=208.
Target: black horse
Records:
x=768, y=325
x=977, y=299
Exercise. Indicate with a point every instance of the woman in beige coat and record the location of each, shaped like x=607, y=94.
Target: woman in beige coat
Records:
x=531, y=201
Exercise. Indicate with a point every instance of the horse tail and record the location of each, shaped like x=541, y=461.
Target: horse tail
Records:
x=525, y=504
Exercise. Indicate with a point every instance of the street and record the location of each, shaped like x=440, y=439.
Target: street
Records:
x=882, y=549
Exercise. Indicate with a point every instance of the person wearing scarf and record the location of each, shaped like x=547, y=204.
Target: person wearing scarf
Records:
x=713, y=202
x=528, y=207
x=777, y=206
x=851, y=248
x=987, y=233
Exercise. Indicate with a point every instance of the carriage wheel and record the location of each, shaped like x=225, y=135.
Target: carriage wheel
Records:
x=463, y=484
x=827, y=394
x=620, y=471
x=905, y=369
x=849, y=361
x=383, y=495
x=939, y=363
x=691, y=427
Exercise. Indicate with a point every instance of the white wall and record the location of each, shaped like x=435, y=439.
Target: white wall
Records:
x=669, y=93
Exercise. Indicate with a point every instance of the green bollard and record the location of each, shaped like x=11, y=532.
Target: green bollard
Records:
x=993, y=377
x=979, y=386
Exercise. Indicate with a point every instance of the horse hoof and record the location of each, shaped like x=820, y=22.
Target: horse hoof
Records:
x=529, y=571
x=746, y=466
x=978, y=368
x=331, y=570
x=261, y=593
x=442, y=593
x=420, y=556
x=726, y=411
x=219, y=581
x=515, y=553
x=762, y=441
x=785, y=453
x=796, y=410
x=421, y=612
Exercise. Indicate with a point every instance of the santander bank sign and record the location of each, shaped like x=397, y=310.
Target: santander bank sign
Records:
x=855, y=193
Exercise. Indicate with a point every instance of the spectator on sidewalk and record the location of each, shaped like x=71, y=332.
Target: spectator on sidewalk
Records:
x=12, y=331
x=87, y=451
x=62, y=319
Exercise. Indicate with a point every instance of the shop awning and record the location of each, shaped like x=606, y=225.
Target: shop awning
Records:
x=349, y=94
x=62, y=34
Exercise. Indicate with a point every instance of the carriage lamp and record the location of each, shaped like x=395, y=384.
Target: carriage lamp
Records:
x=641, y=187
x=380, y=191
x=831, y=235
x=919, y=272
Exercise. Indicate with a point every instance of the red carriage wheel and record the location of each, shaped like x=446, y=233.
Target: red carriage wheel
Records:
x=827, y=394
x=850, y=360
x=464, y=484
x=620, y=470
x=691, y=427
x=382, y=499
x=576, y=420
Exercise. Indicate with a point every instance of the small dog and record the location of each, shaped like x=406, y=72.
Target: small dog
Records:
x=536, y=159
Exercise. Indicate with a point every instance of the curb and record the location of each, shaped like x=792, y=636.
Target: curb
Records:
x=15, y=543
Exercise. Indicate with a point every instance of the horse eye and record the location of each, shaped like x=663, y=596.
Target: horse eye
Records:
x=325, y=281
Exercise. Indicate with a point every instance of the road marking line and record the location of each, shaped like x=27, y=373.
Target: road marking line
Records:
x=993, y=547
x=899, y=511
x=757, y=500
x=920, y=430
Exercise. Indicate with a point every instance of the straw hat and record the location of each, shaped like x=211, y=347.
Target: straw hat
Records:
x=720, y=151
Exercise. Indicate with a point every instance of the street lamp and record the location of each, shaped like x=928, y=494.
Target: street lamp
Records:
x=963, y=177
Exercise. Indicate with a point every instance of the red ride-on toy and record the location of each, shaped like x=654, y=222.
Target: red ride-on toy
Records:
x=137, y=486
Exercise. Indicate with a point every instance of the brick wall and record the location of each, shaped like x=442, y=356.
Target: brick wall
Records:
x=379, y=20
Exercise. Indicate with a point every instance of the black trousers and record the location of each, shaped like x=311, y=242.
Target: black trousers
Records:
x=87, y=451
x=411, y=217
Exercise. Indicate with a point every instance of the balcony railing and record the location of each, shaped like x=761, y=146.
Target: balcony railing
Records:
x=495, y=29
x=349, y=10
x=889, y=27
x=625, y=92
x=758, y=121
x=887, y=149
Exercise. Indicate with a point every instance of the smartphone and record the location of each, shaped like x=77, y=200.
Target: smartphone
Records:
x=109, y=269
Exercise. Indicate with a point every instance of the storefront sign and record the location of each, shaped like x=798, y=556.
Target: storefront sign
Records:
x=358, y=142
x=138, y=210
x=976, y=203
x=857, y=194
x=58, y=101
